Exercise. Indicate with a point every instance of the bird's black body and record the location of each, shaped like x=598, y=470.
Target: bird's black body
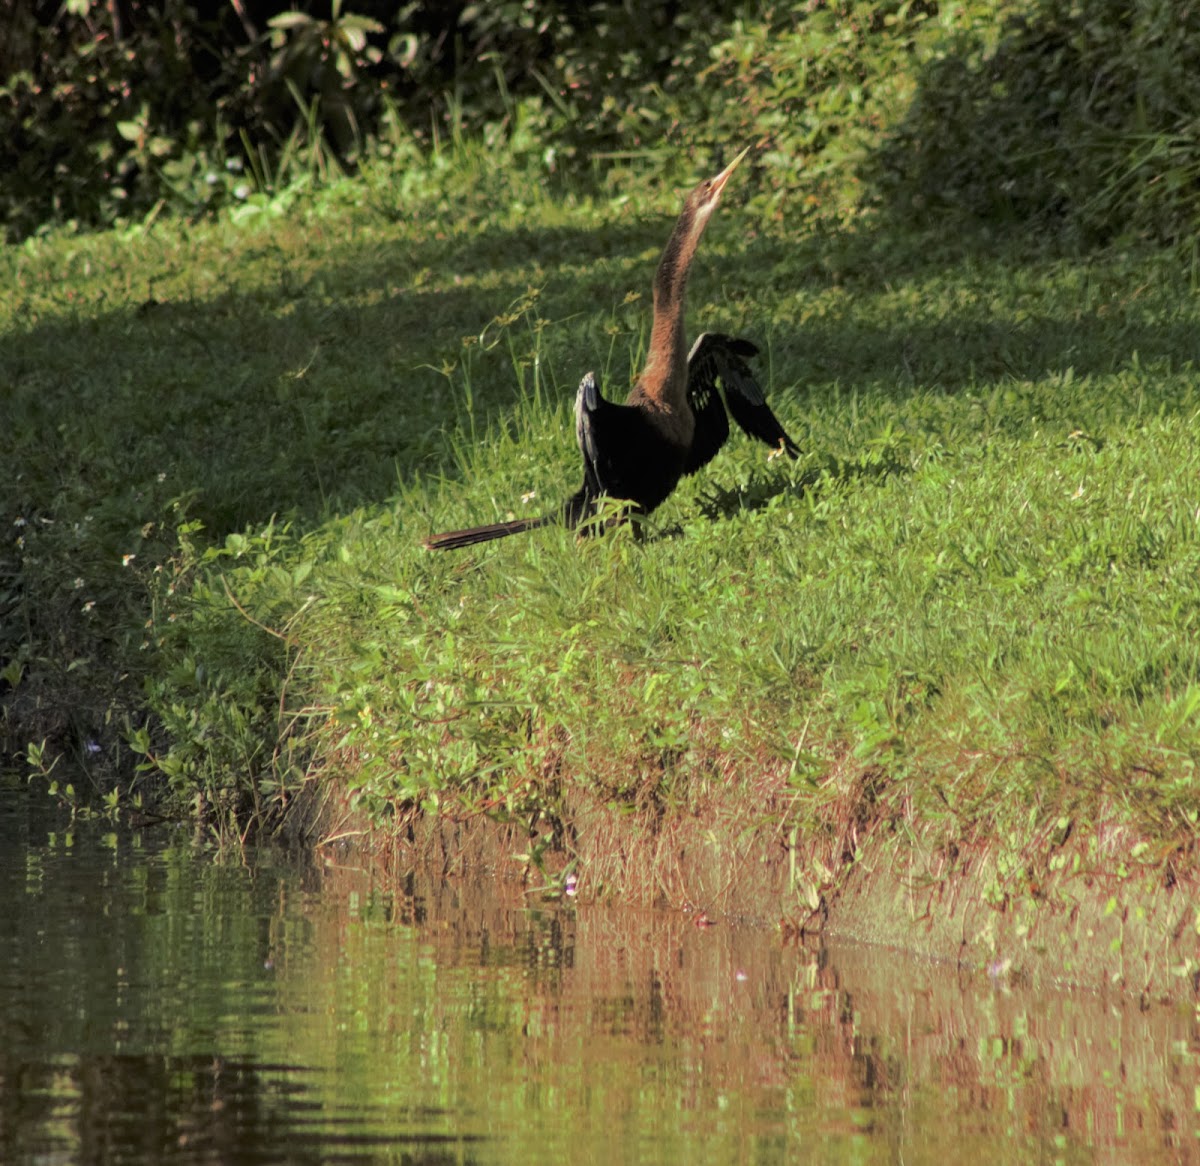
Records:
x=674, y=420
x=625, y=454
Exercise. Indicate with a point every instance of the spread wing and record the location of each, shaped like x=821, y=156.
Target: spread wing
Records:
x=718, y=363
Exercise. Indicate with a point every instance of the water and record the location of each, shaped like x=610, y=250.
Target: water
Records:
x=158, y=1005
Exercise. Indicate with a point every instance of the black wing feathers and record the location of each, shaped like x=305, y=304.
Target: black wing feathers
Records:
x=721, y=360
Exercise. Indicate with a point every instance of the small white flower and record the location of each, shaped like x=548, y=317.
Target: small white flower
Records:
x=527, y=498
x=78, y=582
x=127, y=559
x=19, y=522
x=90, y=605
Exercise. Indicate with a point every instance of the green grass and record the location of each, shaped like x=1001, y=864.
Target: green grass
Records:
x=978, y=589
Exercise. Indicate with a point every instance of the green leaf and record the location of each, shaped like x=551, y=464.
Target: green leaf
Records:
x=286, y=20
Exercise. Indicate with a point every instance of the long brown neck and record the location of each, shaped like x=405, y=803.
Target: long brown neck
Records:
x=664, y=379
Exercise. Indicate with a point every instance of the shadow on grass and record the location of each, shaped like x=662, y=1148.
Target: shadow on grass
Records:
x=318, y=387
x=719, y=503
x=306, y=394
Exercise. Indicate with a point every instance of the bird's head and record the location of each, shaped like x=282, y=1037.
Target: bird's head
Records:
x=703, y=200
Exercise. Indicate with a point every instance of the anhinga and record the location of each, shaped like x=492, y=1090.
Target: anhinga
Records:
x=673, y=421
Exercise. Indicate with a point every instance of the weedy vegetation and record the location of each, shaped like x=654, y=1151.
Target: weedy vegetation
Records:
x=974, y=600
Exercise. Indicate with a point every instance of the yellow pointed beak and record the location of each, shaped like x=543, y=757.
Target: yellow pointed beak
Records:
x=718, y=183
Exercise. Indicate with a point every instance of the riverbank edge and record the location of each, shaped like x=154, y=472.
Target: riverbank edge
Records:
x=1065, y=911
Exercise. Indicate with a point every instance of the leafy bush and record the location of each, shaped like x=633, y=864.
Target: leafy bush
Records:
x=104, y=116
x=816, y=84
x=221, y=739
x=86, y=114
x=1066, y=114
x=1047, y=112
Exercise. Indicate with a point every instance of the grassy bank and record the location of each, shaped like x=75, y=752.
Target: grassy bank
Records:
x=967, y=613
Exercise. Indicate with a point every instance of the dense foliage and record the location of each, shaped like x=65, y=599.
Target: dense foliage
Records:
x=1059, y=113
x=1072, y=113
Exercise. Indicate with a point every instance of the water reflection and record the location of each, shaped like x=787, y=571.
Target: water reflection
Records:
x=185, y=1109
x=159, y=1005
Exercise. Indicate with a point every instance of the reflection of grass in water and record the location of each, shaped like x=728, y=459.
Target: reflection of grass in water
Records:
x=608, y=1030
x=214, y=1004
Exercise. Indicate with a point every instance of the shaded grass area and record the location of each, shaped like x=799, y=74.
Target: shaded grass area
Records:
x=972, y=603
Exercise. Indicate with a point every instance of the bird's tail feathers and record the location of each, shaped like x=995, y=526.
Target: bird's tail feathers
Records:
x=453, y=539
